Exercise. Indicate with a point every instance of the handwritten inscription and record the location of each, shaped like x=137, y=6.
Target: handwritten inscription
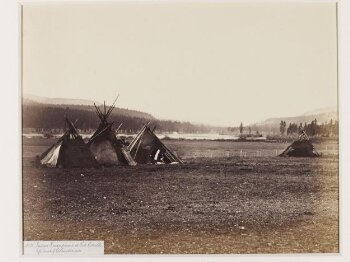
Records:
x=59, y=248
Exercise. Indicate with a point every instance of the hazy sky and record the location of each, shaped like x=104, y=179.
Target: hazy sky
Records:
x=217, y=63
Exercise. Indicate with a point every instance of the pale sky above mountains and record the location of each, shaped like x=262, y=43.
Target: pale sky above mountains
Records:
x=218, y=64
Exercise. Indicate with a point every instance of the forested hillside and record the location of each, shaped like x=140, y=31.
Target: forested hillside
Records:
x=44, y=116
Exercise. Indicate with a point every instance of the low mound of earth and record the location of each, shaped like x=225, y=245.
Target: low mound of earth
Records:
x=218, y=202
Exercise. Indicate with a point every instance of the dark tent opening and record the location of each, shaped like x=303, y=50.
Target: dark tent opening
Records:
x=146, y=148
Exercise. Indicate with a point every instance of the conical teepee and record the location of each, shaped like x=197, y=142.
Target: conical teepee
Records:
x=69, y=151
x=104, y=145
x=146, y=148
x=301, y=148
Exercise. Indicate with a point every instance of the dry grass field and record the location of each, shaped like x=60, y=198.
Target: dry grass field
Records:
x=229, y=197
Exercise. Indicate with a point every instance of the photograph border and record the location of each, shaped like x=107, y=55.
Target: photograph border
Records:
x=343, y=109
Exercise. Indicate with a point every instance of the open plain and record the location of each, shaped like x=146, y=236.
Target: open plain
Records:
x=228, y=197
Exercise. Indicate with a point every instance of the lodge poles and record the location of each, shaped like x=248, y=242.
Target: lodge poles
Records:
x=112, y=106
x=105, y=114
x=72, y=126
x=118, y=128
x=98, y=111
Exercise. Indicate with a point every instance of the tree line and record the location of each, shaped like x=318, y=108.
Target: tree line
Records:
x=45, y=118
x=311, y=129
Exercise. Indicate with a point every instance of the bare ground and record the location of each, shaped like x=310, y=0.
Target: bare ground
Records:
x=217, y=202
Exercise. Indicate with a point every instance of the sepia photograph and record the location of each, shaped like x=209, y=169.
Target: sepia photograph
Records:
x=179, y=127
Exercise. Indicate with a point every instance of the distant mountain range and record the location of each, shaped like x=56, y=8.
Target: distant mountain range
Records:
x=322, y=115
x=48, y=113
x=81, y=104
x=77, y=107
x=28, y=98
x=271, y=125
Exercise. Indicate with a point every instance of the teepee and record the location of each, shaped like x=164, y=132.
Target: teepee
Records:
x=146, y=148
x=104, y=145
x=69, y=151
x=301, y=148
